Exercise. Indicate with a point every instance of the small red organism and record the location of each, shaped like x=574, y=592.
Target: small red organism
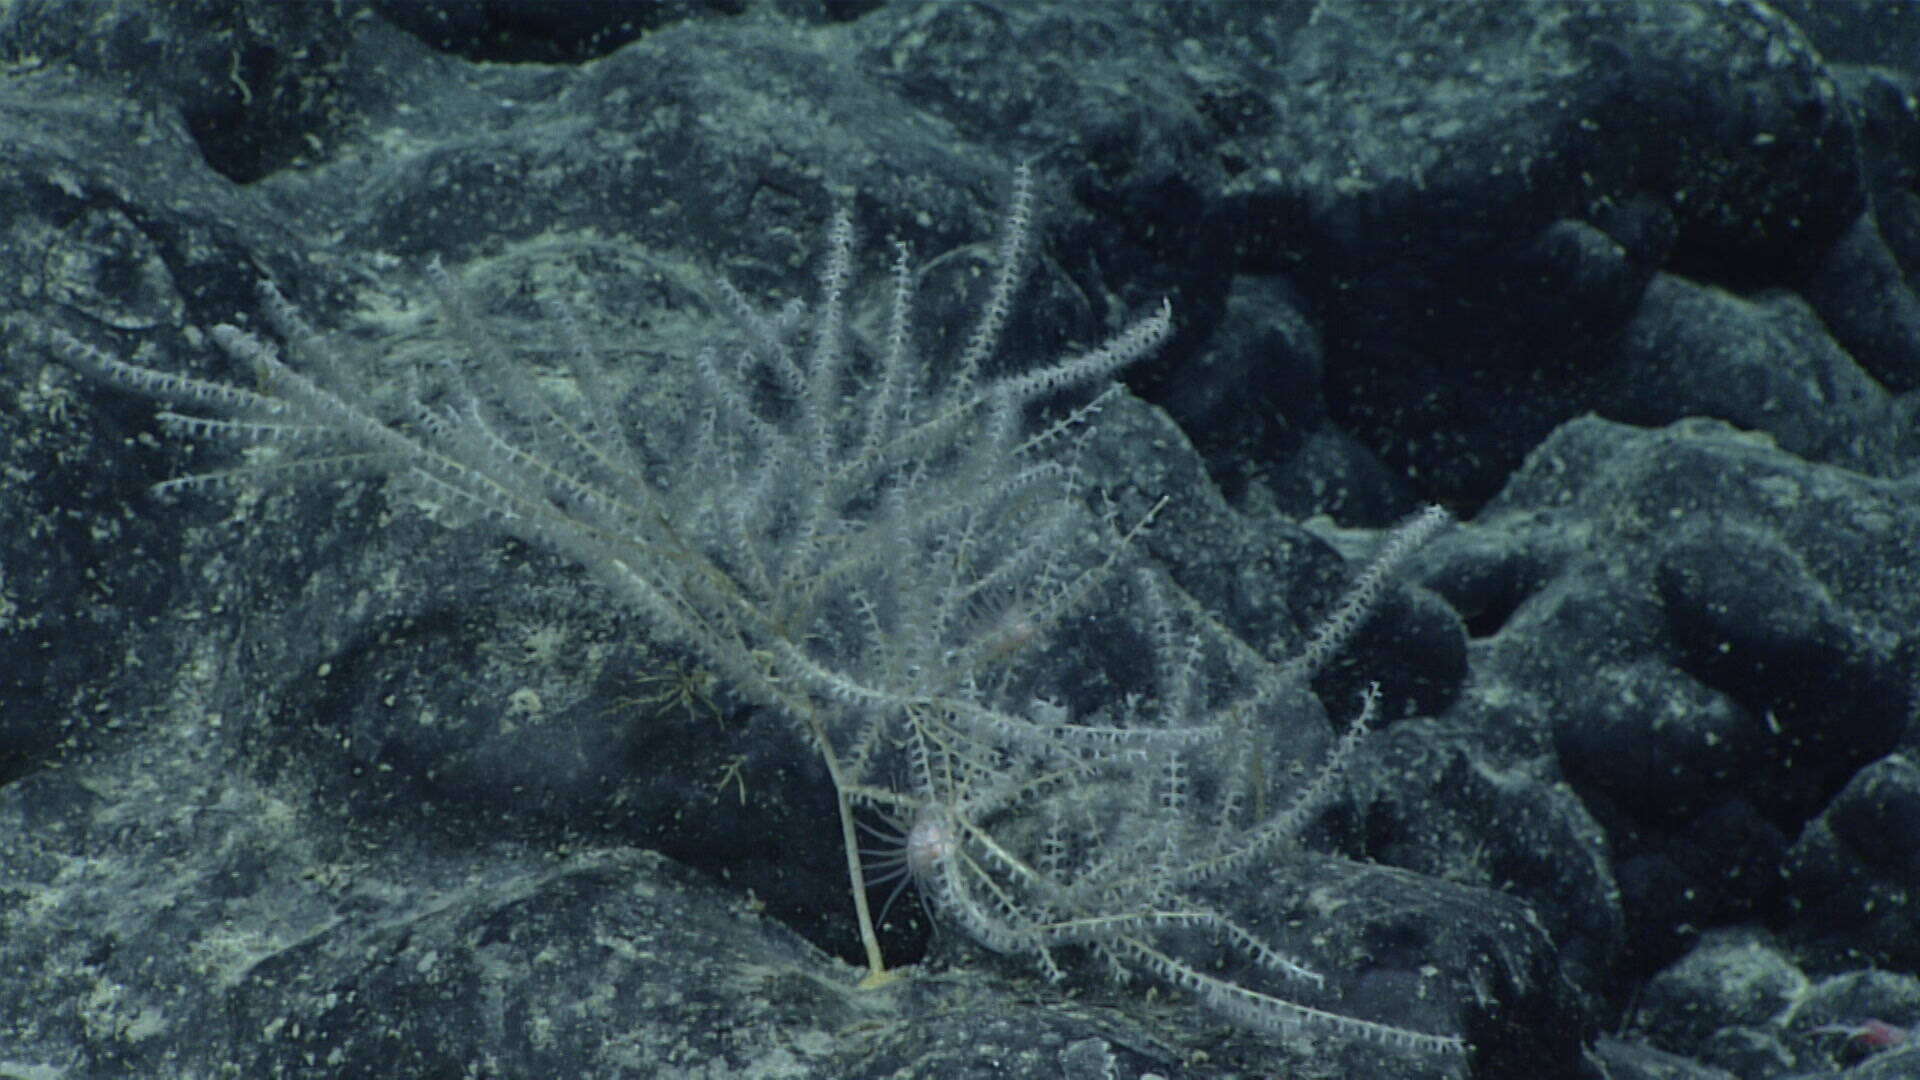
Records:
x=1868, y=1036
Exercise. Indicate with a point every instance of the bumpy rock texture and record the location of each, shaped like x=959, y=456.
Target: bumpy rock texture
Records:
x=300, y=784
